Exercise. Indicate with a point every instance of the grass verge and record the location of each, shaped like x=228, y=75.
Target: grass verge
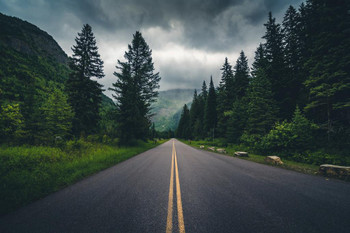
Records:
x=291, y=165
x=28, y=173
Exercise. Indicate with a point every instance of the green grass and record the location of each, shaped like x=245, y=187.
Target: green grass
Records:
x=288, y=164
x=28, y=173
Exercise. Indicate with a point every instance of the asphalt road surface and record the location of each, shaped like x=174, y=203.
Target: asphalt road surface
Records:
x=176, y=188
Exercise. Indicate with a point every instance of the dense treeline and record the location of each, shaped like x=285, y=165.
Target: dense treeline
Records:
x=70, y=105
x=295, y=97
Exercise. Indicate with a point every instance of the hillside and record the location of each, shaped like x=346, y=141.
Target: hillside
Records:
x=31, y=62
x=168, y=107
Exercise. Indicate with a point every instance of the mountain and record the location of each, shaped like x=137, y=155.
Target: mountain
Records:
x=168, y=108
x=31, y=62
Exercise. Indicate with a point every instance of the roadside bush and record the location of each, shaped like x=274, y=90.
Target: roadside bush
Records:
x=77, y=145
x=289, y=138
x=321, y=157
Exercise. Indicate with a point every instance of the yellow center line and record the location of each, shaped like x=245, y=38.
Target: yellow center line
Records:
x=179, y=202
x=169, y=222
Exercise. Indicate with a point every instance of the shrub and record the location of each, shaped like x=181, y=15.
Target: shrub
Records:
x=289, y=138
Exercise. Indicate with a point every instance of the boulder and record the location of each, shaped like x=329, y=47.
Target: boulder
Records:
x=335, y=171
x=211, y=148
x=241, y=154
x=201, y=147
x=274, y=160
x=221, y=150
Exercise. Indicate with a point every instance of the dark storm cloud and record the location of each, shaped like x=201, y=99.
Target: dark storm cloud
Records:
x=189, y=38
x=208, y=24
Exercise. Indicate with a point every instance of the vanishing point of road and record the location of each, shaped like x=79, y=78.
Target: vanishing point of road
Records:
x=176, y=188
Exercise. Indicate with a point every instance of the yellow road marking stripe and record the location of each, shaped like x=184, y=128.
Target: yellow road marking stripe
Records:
x=178, y=195
x=169, y=224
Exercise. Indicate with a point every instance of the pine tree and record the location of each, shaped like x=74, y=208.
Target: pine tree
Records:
x=184, y=127
x=210, y=114
x=329, y=68
x=260, y=60
x=135, y=90
x=241, y=77
x=276, y=70
x=195, y=112
x=204, y=92
x=199, y=128
x=261, y=109
x=293, y=56
x=85, y=94
x=237, y=120
x=225, y=97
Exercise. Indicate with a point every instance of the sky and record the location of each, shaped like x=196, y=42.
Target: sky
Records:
x=189, y=38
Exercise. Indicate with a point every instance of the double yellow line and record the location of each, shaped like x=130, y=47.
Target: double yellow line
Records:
x=169, y=225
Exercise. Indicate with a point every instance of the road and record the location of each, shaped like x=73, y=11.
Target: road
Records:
x=176, y=188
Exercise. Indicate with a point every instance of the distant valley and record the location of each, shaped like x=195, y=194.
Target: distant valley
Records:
x=168, y=108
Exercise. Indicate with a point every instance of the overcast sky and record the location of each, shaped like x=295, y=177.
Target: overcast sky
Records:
x=189, y=38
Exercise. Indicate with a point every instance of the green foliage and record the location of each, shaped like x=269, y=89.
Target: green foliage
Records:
x=225, y=97
x=261, y=109
x=30, y=173
x=57, y=117
x=85, y=94
x=237, y=120
x=288, y=138
x=276, y=68
x=210, y=113
x=241, y=77
x=11, y=122
x=328, y=83
x=184, y=128
x=135, y=90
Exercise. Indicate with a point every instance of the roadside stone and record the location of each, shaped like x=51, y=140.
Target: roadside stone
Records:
x=221, y=150
x=330, y=170
x=211, y=148
x=274, y=160
x=241, y=154
x=201, y=147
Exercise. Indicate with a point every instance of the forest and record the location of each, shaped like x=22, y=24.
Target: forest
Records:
x=294, y=101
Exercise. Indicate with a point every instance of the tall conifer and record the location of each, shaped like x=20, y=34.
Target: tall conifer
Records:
x=85, y=94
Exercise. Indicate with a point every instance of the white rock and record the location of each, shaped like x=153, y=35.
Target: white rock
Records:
x=221, y=150
x=274, y=160
x=241, y=154
x=335, y=171
x=211, y=148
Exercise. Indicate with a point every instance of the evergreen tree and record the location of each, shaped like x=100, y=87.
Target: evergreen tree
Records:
x=184, y=127
x=276, y=70
x=241, y=77
x=57, y=117
x=261, y=109
x=85, y=94
x=135, y=90
x=293, y=56
x=225, y=97
x=260, y=60
x=237, y=120
x=210, y=114
x=199, y=128
x=195, y=112
x=204, y=92
x=329, y=68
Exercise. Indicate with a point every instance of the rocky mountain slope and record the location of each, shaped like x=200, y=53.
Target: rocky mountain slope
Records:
x=31, y=61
